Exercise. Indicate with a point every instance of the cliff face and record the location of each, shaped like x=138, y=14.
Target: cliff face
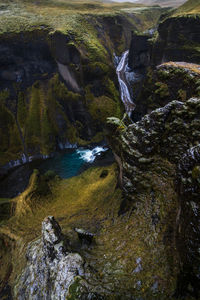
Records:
x=162, y=148
x=178, y=40
x=139, y=52
x=165, y=83
x=58, y=80
x=53, y=93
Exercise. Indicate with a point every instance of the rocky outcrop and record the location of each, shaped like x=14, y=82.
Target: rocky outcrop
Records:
x=178, y=40
x=166, y=137
x=165, y=132
x=188, y=230
x=168, y=81
x=51, y=268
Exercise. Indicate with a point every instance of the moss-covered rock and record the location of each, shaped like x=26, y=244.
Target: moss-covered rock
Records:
x=167, y=82
x=162, y=149
x=178, y=39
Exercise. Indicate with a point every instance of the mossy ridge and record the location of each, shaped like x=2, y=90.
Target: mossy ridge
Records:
x=103, y=107
x=169, y=81
x=11, y=146
x=118, y=244
x=84, y=195
x=5, y=209
x=189, y=7
x=45, y=106
x=47, y=16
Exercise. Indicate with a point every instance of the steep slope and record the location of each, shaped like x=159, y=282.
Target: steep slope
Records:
x=58, y=82
x=146, y=240
x=178, y=40
x=189, y=7
x=164, y=146
x=168, y=81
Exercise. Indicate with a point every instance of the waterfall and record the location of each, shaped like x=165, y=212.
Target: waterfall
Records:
x=124, y=85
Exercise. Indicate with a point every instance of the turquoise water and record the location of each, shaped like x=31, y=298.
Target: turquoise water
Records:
x=70, y=162
x=66, y=164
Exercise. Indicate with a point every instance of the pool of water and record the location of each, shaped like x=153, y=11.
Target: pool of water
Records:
x=70, y=162
x=66, y=164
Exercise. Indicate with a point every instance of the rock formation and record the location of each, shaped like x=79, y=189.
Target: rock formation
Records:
x=166, y=138
x=51, y=268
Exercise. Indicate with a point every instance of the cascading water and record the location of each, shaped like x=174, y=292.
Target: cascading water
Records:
x=124, y=88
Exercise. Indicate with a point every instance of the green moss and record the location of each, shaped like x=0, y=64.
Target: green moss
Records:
x=4, y=96
x=21, y=110
x=46, y=117
x=96, y=69
x=182, y=95
x=162, y=89
x=196, y=172
x=10, y=146
x=198, y=91
x=75, y=290
x=48, y=139
x=33, y=128
x=111, y=89
x=103, y=107
x=163, y=75
x=5, y=209
x=72, y=134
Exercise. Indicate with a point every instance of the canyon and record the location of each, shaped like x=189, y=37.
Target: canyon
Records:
x=76, y=79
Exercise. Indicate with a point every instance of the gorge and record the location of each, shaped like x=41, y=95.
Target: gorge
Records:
x=99, y=150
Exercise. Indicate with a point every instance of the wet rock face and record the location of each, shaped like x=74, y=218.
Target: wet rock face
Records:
x=50, y=270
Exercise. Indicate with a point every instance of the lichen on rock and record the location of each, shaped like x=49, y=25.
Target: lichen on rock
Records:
x=51, y=269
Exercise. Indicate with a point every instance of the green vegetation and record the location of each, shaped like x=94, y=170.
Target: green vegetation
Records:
x=10, y=146
x=189, y=7
x=5, y=209
x=170, y=81
x=21, y=109
x=41, y=113
x=100, y=108
x=103, y=107
x=92, y=201
x=4, y=96
x=196, y=172
x=48, y=195
x=162, y=89
x=69, y=17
